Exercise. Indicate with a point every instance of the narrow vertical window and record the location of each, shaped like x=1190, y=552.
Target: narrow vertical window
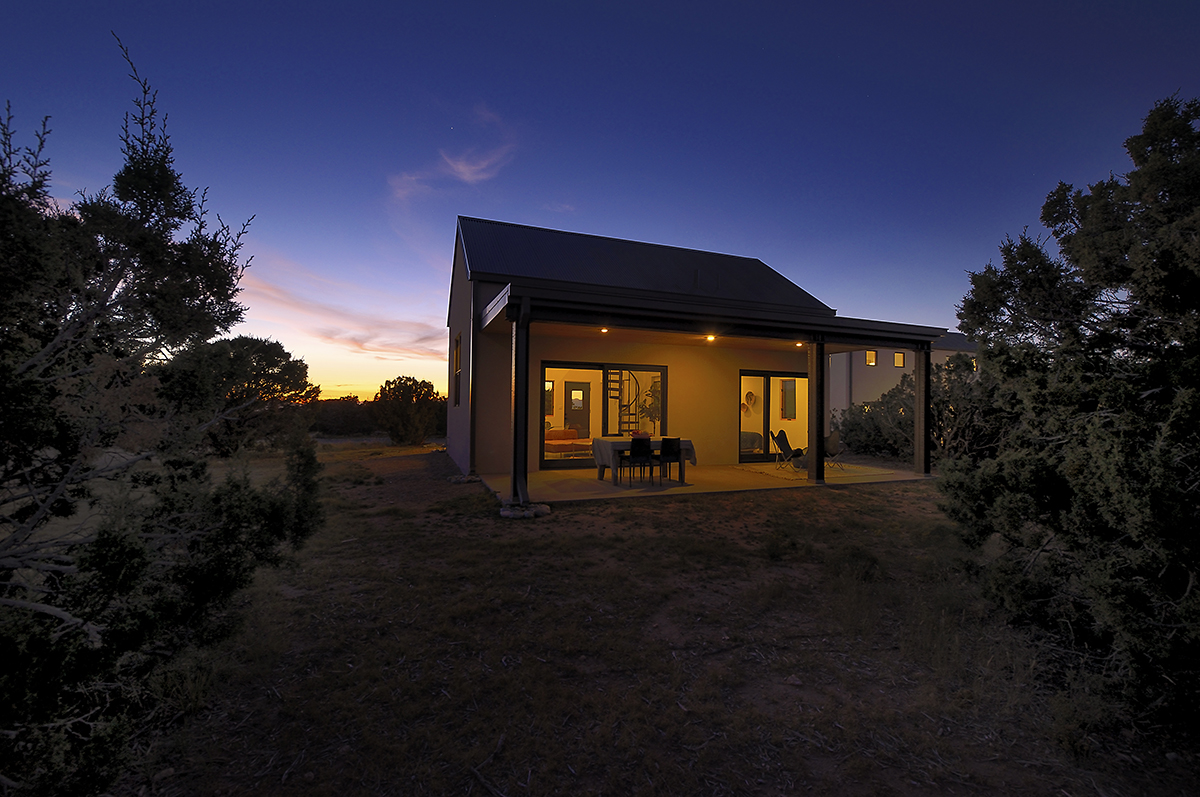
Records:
x=457, y=367
x=787, y=405
x=870, y=357
x=898, y=359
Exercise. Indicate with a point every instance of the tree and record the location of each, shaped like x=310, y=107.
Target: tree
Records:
x=345, y=416
x=117, y=551
x=265, y=391
x=1091, y=485
x=409, y=409
x=651, y=407
x=957, y=393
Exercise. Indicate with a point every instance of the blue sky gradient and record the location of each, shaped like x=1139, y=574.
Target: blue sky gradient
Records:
x=871, y=152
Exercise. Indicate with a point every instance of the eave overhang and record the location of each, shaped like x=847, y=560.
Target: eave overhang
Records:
x=573, y=303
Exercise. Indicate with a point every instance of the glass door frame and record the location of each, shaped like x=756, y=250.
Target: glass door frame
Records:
x=603, y=368
x=768, y=445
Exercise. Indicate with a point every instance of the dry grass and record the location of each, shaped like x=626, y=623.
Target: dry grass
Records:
x=826, y=641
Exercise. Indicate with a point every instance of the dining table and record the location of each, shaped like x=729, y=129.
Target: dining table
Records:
x=606, y=450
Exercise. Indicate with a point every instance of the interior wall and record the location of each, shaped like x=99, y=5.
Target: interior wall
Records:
x=752, y=416
x=560, y=376
x=796, y=428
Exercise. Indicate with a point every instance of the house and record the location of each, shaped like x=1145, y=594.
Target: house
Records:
x=856, y=377
x=559, y=337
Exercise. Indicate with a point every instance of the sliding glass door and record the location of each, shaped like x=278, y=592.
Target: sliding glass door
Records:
x=770, y=402
x=585, y=400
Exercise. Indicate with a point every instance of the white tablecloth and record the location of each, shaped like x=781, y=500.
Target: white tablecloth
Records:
x=605, y=449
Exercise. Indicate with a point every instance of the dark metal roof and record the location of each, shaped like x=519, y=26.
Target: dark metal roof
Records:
x=954, y=341
x=504, y=252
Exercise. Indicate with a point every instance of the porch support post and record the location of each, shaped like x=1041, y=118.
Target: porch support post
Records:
x=816, y=410
x=520, y=400
x=922, y=423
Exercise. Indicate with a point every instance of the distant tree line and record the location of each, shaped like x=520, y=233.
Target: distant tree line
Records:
x=406, y=409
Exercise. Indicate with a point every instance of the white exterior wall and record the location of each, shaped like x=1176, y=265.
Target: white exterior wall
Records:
x=458, y=406
x=852, y=381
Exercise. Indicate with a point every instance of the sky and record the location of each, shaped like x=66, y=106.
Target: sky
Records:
x=872, y=152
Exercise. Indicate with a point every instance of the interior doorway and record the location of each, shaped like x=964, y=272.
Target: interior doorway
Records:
x=577, y=411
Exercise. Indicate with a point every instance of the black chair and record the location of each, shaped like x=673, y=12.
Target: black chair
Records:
x=640, y=455
x=669, y=453
x=785, y=455
x=834, y=448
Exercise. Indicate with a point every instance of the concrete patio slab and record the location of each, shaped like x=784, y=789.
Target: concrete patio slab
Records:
x=551, y=486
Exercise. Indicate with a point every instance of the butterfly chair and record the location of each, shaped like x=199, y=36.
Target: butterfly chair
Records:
x=834, y=448
x=669, y=454
x=785, y=455
x=640, y=455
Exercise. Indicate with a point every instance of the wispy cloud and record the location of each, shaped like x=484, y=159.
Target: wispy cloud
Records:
x=472, y=166
x=384, y=336
x=406, y=186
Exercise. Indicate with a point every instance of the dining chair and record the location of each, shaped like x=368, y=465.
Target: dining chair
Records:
x=640, y=455
x=668, y=454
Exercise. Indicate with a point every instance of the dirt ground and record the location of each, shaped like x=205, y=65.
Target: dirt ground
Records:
x=827, y=641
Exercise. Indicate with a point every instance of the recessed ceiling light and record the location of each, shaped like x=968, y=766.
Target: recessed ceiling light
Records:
x=603, y=329
x=711, y=338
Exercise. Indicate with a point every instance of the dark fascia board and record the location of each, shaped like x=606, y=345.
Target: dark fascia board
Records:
x=675, y=302
x=672, y=313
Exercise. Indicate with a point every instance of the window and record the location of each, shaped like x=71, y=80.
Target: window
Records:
x=548, y=398
x=787, y=406
x=870, y=357
x=898, y=359
x=457, y=367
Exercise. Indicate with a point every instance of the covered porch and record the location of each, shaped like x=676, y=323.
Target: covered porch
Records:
x=700, y=369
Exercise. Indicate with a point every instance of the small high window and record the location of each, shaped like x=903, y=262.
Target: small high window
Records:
x=898, y=359
x=870, y=357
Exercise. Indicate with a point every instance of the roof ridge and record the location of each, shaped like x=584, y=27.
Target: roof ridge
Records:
x=609, y=238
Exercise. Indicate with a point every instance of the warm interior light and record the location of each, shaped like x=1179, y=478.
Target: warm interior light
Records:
x=711, y=337
x=603, y=329
x=799, y=344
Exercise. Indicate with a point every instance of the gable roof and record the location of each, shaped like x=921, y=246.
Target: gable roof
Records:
x=504, y=252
